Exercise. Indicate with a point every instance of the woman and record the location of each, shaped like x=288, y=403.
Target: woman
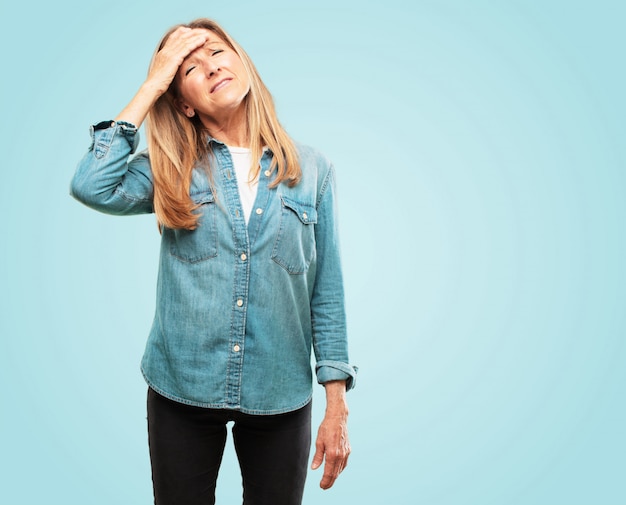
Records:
x=249, y=273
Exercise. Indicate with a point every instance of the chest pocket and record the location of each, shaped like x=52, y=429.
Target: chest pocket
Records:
x=294, y=248
x=200, y=244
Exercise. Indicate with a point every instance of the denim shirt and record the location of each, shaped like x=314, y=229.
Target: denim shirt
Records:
x=238, y=307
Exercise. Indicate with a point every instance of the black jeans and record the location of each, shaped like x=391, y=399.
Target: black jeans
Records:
x=187, y=443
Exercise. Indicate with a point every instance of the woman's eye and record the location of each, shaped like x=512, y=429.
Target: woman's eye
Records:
x=218, y=51
x=189, y=70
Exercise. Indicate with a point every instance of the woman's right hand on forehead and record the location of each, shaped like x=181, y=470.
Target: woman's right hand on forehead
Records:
x=164, y=66
x=179, y=45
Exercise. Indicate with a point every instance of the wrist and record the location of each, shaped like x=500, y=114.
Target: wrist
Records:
x=336, y=404
x=150, y=92
x=153, y=89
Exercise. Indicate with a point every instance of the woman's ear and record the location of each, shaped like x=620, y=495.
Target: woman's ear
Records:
x=184, y=108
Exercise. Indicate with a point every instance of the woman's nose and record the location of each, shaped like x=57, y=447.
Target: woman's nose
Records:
x=211, y=69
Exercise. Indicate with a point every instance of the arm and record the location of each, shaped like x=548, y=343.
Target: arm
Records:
x=104, y=179
x=330, y=340
x=332, y=441
x=162, y=72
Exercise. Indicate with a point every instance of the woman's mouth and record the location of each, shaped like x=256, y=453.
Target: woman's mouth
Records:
x=220, y=84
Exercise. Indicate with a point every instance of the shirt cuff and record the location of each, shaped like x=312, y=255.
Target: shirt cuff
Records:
x=327, y=370
x=128, y=130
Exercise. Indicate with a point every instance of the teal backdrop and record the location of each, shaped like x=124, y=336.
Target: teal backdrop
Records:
x=482, y=172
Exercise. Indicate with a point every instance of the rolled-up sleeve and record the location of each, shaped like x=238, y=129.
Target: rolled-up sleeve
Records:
x=330, y=342
x=106, y=180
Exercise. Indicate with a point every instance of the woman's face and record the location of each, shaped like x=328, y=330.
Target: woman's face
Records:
x=212, y=81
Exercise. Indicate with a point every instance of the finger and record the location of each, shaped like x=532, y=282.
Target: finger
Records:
x=335, y=464
x=183, y=45
x=329, y=479
x=318, y=457
x=183, y=33
x=188, y=34
x=332, y=469
x=345, y=459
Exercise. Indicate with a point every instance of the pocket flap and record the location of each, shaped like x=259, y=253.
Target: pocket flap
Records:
x=305, y=212
x=200, y=198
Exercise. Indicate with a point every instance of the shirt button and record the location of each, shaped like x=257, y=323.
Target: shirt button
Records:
x=243, y=257
x=259, y=210
x=267, y=173
x=239, y=302
x=236, y=348
x=304, y=216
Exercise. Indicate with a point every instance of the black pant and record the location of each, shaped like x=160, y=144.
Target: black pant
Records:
x=187, y=443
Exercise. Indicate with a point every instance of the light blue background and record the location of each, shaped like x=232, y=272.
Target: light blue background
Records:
x=480, y=151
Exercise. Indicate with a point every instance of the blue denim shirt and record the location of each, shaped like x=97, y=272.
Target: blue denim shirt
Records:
x=238, y=307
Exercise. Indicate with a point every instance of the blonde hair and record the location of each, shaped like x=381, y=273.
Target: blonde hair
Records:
x=177, y=143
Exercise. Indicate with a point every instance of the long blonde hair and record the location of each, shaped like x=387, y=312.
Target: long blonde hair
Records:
x=177, y=143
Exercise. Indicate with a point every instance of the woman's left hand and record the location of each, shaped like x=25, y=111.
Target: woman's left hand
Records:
x=332, y=442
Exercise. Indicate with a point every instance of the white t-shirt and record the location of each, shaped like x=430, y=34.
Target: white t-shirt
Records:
x=242, y=158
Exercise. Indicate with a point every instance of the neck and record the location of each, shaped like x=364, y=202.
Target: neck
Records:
x=230, y=128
